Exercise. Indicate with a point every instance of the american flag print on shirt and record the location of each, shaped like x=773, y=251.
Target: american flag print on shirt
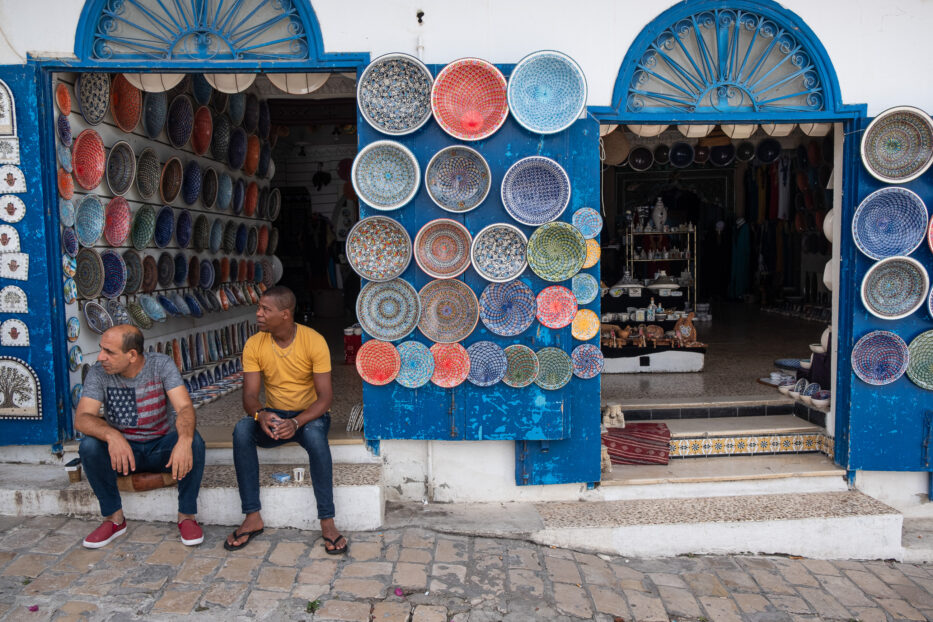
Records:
x=139, y=413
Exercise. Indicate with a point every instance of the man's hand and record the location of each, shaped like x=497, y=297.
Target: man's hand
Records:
x=286, y=428
x=181, y=459
x=268, y=421
x=121, y=455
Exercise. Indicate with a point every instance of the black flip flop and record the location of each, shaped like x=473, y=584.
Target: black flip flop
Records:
x=335, y=550
x=236, y=536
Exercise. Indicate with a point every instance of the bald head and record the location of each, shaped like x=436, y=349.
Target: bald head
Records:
x=131, y=338
x=282, y=298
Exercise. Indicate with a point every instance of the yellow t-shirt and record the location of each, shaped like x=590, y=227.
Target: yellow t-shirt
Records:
x=288, y=375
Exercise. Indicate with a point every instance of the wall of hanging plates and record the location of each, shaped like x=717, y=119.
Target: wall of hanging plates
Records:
x=887, y=239
x=166, y=219
x=478, y=245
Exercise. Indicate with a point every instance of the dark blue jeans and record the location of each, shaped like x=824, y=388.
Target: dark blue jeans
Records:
x=151, y=457
x=248, y=435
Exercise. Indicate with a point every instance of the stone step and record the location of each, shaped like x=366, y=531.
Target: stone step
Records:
x=39, y=490
x=826, y=525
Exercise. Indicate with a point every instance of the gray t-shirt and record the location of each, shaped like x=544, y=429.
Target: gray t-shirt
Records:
x=138, y=407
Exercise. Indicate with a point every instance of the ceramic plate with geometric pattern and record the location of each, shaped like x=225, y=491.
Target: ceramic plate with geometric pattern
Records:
x=378, y=248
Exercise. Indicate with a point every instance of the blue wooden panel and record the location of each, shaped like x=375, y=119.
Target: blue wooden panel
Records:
x=468, y=412
x=885, y=424
x=38, y=232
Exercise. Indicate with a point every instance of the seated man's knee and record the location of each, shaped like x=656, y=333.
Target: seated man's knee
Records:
x=314, y=434
x=91, y=447
x=198, y=448
x=244, y=430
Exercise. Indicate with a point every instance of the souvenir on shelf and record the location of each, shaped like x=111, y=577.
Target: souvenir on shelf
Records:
x=507, y=309
x=457, y=179
x=897, y=146
x=556, y=251
x=535, y=190
x=144, y=222
x=498, y=252
x=880, y=357
x=449, y=310
x=389, y=310
x=394, y=94
x=451, y=364
x=378, y=248
x=547, y=92
x=117, y=312
x=888, y=222
x=469, y=99
x=385, y=175
x=895, y=287
x=442, y=248
x=417, y=364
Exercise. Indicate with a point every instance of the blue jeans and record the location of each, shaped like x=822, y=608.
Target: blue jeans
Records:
x=248, y=435
x=151, y=457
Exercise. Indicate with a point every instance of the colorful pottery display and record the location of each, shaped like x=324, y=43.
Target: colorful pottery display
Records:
x=385, y=175
x=377, y=362
x=556, y=306
x=378, y=248
x=556, y=251
x=507, y=309
x=389, y=310
x=394, y=94
x=555, y=368
x=547, y=92
x=449, y=310
x=880, y=357
x=897, y=146
x=417, y=364
x=895, y=287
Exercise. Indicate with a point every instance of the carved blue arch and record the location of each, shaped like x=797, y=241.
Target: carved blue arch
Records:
x=716, y=61
x=189, y=34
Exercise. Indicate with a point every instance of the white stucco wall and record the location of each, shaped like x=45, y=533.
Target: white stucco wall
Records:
x=860, y=36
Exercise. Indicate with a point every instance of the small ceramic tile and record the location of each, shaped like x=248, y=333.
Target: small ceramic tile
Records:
x=9, y=150
x=12, y=208
x=9, y=239
x=13, y=300
x=12, y=179
x=7, y=112
x=14, y=266
x=19, y=386
x=14, y=333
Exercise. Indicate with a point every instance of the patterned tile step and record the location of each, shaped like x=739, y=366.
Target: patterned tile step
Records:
x=760, y=444
x=588, y=514
x=742, y=426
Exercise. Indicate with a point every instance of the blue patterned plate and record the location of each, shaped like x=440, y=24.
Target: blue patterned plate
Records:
x=152, y=308
x=895, y=287
x=417, y=364
x=498, y=252
x=556, y=251
x=378, y=248
x=457, y=179
x=66, y=212
x=168, y=305
x=555, y=368
x=898, y=145
x=587, y=361
x=890, y=221
x=588, y=221
x=394, y=94
x=449, y=310
x=64, y=157
x=388, y=311
x=488, y=363
x=385, y=175
x=89, y=220
x=585, y=288
x=880, y=357
x=507, y=309
x=535, y=190
x=547, y=92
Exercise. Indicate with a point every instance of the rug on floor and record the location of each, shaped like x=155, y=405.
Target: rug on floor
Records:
x=639, y=443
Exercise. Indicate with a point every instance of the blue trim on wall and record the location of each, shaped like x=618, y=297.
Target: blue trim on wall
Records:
x=317, y=58
x=833, y=106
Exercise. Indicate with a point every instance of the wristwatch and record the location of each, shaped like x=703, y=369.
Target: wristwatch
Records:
x=256, y=414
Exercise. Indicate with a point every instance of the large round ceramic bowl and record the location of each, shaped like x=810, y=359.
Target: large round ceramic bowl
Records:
x=442, y=248
x=547, y=92
x=890, y=221
x=898, y=145
x=457, y=179
x=385, y=175
x=895, y=287
x=498, y=252
x=469, y=99
x=556, y=251
x=417, y=364
x=920, y=367
x=880, y=357
x=378, y=248
x=449, y=310
x=535, y=190
x=394, y=94
x=507, y=309
x=389, y=310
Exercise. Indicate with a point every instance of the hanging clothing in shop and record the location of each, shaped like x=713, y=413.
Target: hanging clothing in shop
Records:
x=741, y=249
x=741, y=189
x=761, y=178
x=773, y=190
x=784, y=175
x=716, y=259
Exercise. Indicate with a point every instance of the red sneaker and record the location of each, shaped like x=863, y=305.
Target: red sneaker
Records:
x=190, y=531
x=103, y=535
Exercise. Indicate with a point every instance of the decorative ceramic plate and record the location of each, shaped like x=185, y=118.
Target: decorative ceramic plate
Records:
x=134, y=272
x=507, y=309
x=121, y=167
x=890, y=221
x=593, y=253
x=556, y=251
x=62, y=98
x=378, y=362
x=69, y=241
x=155, y=109
x=118, y=312
x=93, y=93
x=209, y=188
x=585, y=288
x=143, y=227
x=394, y=94
x=585, y=325
x=417, y=364
x=556, y=306
x=451, y=364
x=89, y=274
x=880, y=357
x=488, y=363
x=72, y=329
x=63, y=129
x=70, y=290
x=388, y=311
x=63, y=154
x=457, y=179
x=148, y=171
x=89, y=220
x=442, y=248
x=87, y=159
x=898, y=145
x=587, y=361
x=125, y=103
x=535, y=190
x=183, y=228
x=895, y=287
x=547, y=92
x=588, y=221
x=191, y=183
x=920, y=367
x=522, y=366
x=469, y=99
x=449, y=310
x=164, y=226
x=114, y=273
x=554, y=368
x=378, y=248
x=166, y=269
x=66, y=213
x=97, y=318
x=386, y=175
x=498, y=252
x=180, y=121
x=681, y=154
x=170, y=180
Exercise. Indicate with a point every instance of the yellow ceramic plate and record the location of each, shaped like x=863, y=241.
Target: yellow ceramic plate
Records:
x=585, y=325
x=592, y=254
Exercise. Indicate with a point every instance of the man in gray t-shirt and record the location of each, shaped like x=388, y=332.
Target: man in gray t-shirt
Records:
x=138, y=392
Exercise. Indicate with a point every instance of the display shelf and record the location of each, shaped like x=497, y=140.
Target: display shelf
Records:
x=634, y=263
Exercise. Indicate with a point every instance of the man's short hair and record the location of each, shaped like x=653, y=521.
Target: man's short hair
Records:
x=133, y=340
x=284, y=298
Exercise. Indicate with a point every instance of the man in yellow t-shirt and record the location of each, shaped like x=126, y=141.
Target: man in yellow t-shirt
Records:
x=292, y=363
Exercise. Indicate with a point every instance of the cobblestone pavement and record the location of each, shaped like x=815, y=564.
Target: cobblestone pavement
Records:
x=420, y=576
